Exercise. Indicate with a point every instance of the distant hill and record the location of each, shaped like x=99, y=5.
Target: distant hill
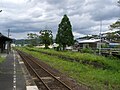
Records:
x=21, y=41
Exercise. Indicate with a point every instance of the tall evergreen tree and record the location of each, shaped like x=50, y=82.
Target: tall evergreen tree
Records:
x=64, y=35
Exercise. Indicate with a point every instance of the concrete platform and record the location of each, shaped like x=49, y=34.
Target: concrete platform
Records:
x=6, y=73
x=14, y=75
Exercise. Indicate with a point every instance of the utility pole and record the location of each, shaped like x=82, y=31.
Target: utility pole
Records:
x=119, y=10
x=100, y=37
x=8, y=33
x=8, y=43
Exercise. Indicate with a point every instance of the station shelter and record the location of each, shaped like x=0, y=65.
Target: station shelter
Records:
x=5, y=44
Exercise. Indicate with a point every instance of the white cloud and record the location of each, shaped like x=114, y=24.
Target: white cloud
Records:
x=23, y=16
x=15, y=1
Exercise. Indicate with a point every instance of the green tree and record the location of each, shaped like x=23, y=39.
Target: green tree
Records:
x=46, y=37
x=116, y=25
x=116, y=35
x=33, y=38
x=64, y=35
x=113, y=36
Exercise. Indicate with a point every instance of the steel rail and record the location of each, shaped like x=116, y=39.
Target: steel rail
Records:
x=34, y=71
x=47, y=71
x=52, y=75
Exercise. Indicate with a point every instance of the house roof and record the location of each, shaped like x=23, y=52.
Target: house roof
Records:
x=114, y=44
x=90, y=41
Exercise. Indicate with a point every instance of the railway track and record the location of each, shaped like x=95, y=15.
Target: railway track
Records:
x=44, y=79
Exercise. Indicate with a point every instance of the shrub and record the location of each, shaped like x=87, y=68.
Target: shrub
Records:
x=87, y=50
x=30, y=45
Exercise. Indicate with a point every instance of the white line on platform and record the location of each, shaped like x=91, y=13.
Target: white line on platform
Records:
x=32, y=88
x=14, y=75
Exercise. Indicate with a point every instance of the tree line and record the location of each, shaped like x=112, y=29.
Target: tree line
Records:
x=64, y=35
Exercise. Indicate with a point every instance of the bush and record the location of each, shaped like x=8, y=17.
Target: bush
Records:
x=31, y=46
x=86, y=50
x=1, y=59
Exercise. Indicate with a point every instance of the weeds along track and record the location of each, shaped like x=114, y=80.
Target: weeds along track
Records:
x=85, y=62
x=93, y=63
x=42, y=77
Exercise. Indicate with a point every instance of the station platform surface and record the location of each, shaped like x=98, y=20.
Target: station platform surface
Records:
x=14, y=75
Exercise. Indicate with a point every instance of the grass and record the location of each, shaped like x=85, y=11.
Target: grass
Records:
x=107, y=63
x=1, y=59
x=97, y=79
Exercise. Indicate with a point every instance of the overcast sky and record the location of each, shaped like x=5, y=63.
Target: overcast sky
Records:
x=25, y=16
